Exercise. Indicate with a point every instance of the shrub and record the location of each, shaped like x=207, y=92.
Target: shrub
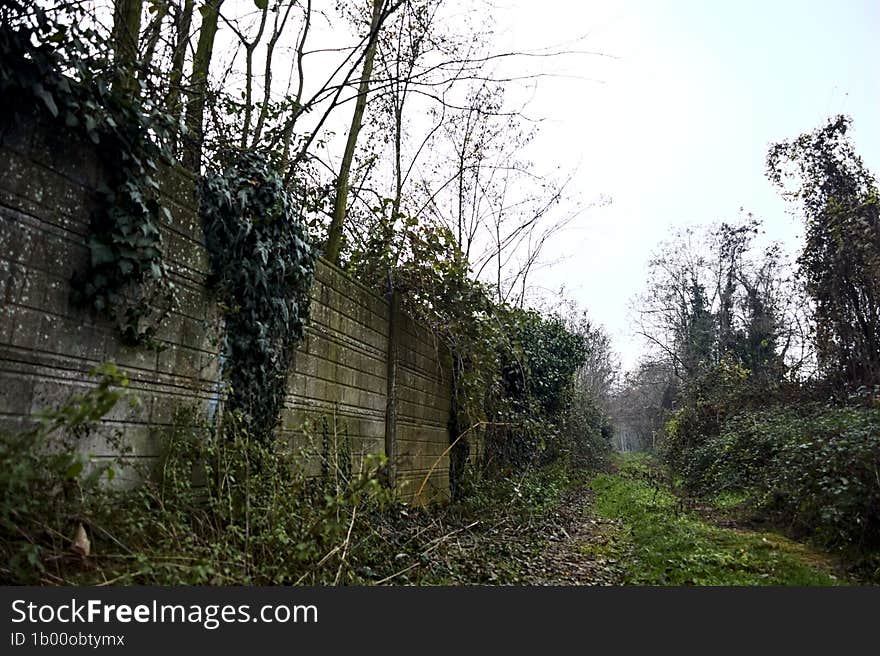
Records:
x=818, y=467
x=706, y=401
x=829, y=477
x=587, y=432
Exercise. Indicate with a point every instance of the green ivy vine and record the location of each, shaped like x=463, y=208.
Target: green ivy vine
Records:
x=53, y=71
x=263, y=265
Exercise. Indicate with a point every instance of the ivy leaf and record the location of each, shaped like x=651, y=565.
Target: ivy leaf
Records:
x=91, y=124
x=101, y=253
x=74, y=470
x=261, y=4
x=47, y=98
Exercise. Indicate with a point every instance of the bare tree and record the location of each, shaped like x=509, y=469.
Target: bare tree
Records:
x=334, y=234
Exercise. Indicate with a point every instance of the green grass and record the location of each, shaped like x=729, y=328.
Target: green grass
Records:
x=730, y=500
x=670, y=546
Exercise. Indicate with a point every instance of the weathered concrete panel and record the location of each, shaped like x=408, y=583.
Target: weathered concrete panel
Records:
x=48, y=346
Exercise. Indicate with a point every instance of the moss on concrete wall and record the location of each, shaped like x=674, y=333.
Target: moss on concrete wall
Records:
x=47, y=346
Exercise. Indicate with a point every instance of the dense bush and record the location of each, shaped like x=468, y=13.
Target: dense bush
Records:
x=513, y=369
x=539, y=357
x=818, y=466
x=587, y=431
x=545, y=356
x=704, y=403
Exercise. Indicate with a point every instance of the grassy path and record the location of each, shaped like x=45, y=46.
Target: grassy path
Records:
x=661, y=543
x=556, y=526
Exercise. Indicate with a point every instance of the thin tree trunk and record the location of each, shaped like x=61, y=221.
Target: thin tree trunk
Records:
x=399, y=101
x=126, y=30
x=334, y=236
x=183, y=21
x=267, y=75
x=195, y=109
x=153, y=34
x=297, y=106
x=250, y=47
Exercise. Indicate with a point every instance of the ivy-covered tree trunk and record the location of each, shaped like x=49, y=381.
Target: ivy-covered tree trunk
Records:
x=195, y=108
x=126, y=29
x=262, y=273
x=840, y=262
x=334, y=235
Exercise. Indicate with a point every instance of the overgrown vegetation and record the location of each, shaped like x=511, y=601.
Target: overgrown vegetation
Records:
x=216, y=510
x=263, y=264
x=671, y=545
x=229, y=503
x=520, y=377
x=764, y=384
x=815, y=465
x=840, y=262
x=771, y=383
x=53, y=70
x=207, y=514
x=47, y=481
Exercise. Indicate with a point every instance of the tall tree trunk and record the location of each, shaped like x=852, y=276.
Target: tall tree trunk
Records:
x=183, y=21
x=126, y=29
x=334, y=235
x=198, y=86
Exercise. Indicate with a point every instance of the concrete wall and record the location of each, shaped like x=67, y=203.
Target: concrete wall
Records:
x=339, y=381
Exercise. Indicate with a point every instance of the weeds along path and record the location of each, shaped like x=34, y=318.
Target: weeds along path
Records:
x=661, y=542
x=537, y=532
x=625, y=526
x=580, y=550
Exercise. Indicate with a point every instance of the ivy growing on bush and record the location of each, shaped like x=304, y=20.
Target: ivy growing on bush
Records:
x=548, y=356
x=263, y=266
x=53, y=71
x=539, y=359
x=512, y=369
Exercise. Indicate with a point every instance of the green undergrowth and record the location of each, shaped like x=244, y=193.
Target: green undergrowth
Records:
x=221, y=508
x=671, y=545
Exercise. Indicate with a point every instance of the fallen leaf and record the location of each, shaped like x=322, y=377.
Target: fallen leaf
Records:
x=81, y=543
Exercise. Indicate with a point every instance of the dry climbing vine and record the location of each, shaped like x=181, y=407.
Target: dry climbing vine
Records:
x=263, y=266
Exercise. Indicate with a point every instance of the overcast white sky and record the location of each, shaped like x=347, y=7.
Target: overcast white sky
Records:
x=677, y=126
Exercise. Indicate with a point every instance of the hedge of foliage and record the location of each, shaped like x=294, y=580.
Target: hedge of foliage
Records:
x=816, y=466
x=514, y=369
